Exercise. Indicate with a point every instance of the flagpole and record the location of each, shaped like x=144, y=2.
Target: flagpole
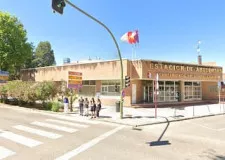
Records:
x=135, y=52
x=132, y=56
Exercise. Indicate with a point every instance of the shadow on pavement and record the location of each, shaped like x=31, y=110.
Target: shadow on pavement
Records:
x=211, y=154
x=177, y=116
x=159, y=142
x=133, y=117
x=105, y=117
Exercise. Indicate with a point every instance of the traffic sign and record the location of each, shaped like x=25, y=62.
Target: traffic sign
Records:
x=74, y=80
x=4, y=76
x=123, y=93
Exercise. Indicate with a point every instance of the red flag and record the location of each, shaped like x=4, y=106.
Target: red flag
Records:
x=131, y=37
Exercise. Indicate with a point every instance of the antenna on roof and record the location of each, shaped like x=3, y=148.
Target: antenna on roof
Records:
x=198, y=51
x=198, y=47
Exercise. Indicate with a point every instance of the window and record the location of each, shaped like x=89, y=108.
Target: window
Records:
x=168, y=90
x=88, y=82
x=88, y=88
x=192, y=91
x=110, y=87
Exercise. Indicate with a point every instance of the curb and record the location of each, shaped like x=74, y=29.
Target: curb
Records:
x=155, y=123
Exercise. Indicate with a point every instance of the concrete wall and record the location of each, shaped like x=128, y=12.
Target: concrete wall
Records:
x=107, y=70
x=139, y=91
x=209, y=91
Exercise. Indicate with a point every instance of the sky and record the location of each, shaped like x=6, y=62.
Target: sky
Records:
x=168, y=29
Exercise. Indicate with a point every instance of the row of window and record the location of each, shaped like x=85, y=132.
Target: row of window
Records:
x=108, y=87
x=168, y=90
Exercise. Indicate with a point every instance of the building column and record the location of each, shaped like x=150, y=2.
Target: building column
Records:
x=182, y=89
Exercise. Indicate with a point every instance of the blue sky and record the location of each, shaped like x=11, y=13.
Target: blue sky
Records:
x=169, y=30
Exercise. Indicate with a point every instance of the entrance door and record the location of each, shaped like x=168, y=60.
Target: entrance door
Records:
x=134, y=93
x=148, y=94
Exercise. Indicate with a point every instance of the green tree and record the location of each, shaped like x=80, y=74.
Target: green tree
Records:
x=14, y=48
x=45, y=91
x=44, y=55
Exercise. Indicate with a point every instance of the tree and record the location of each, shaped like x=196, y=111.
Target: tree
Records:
x=45, y=91
x=14, y=48
x=44, y=55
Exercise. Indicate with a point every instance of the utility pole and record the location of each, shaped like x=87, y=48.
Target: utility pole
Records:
x=58, y=6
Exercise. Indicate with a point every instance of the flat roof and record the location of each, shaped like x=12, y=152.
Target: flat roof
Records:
x=101, y=61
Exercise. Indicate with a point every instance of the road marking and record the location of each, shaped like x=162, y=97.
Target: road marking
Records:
x=38, y=132
x=53, y=126
x=88, y=145
x=4, y=152
x=77, y=119
x=68, y=123
x=20, y=139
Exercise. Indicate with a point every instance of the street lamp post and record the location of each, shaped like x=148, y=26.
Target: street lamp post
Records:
x=114, y=40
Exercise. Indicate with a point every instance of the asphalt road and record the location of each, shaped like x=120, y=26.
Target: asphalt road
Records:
x=195, y=139
x=26, y=135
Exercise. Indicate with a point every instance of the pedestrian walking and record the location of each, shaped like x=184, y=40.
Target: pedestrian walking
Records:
x=66, y=104
x=86, y=106
x=93, y=108
x=98, y=107
x=81, y=105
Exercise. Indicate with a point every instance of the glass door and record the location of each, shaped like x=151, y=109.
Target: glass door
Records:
x=148, y=94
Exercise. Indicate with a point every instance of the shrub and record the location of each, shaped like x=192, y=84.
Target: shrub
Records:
x=3, y=93
x=45, y=91
x=56, y=106
x=24, y=92
x=48, y=106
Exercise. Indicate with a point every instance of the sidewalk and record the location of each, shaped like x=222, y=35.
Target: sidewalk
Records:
x=146, y=116
x=142, y=116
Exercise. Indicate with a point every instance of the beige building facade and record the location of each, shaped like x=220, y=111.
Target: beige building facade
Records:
x=178, y=82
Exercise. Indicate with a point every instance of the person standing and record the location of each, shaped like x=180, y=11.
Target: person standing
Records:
x=66, y=104
x=86, y=106
x=93, y=107
x=81, y=105
x=98, y=107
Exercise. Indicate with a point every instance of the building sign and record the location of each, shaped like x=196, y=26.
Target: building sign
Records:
x=4, y=76
x=187, y=76
x=74, y=80
x=177, y=67
x=182, y=71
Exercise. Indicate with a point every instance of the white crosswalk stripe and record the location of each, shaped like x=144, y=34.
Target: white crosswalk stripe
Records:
x=19, y=139
x=60, y=123
x=68, y=123
x=77, y=119
x=38, y=132
x=53, y=126
x=4, y=152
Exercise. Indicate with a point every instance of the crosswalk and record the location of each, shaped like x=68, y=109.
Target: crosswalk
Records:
x=57, y=127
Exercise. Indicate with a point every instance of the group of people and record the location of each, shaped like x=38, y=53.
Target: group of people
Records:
x=91, y=105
